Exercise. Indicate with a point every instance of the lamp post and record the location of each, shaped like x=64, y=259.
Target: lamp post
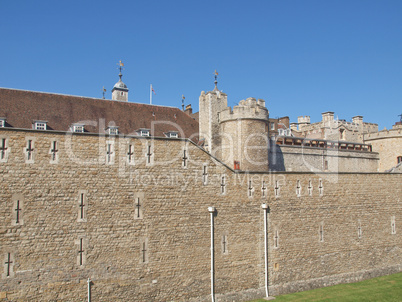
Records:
x=211, y=210
x=265, y=207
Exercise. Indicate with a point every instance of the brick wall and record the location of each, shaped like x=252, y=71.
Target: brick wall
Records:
x=323, y=228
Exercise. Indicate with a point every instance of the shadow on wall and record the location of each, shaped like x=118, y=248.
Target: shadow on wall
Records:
x=275, y=157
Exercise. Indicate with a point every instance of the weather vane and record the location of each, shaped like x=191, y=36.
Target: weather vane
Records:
x=216, y=78
x=103, y=91
x=121, y=65
x=401, y=117
x=182, y=101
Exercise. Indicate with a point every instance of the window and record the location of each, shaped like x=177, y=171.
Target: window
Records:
x=272, y=126
x=79, y=128
x=284, y=132
x=342, y=134
x=144, y=132
x=172, y=134
x=2, y=122
x=39, y=125
x=112, y=130
x=399, y=159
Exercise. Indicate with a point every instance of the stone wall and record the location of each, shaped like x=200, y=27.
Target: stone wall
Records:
x=309, y=159
x=388, y=143
x=135, y=221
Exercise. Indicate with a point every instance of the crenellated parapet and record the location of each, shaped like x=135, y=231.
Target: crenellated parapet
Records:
x=394, y=132
x=246, y=109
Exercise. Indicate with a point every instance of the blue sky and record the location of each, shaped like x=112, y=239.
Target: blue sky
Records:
x=302, y=57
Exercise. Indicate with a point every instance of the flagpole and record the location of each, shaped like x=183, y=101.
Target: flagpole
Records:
x=150, y=95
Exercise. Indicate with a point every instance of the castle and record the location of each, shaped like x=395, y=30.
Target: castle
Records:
x=117, y=201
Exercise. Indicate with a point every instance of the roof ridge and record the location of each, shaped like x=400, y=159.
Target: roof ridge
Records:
x=86, y=97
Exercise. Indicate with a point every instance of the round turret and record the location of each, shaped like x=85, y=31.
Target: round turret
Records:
x=244, y=132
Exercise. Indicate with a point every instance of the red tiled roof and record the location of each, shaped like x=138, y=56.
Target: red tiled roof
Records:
x=21, y=108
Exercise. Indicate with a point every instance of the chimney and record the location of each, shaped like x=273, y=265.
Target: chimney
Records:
x=189, y=110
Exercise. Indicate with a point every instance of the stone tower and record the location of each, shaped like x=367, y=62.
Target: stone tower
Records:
x=210, y=106
x=239, y=135
x=120, y=90
x=244, y=135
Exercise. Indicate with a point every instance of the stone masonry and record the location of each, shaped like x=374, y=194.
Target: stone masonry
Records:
x=131, y=214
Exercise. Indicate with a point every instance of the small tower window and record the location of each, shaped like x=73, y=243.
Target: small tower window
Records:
x=399, y=159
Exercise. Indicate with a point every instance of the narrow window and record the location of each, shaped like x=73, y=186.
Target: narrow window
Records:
x=393, y=225
x=320, y=187
x=325, y=164
x=263, y=189
x=53, y=151
x=298, y=188
x=29, y=151
x=359, y=229
x=277, y=189
x=276, y=239
x=144, y=251
x=17, y=209
x=223, y=185
x=138, y=205
x=225, y=244
x=8, y=265
x=82, y=206
x=399, y=159
x=149, y=155
x=205, y=174
x=130, y=154
x=81, y=247
x=310, y=188
x=342, y=134
x=109, y=153
x=185, y=158
x=250, y=189
x=321, y=231
x=3, y=149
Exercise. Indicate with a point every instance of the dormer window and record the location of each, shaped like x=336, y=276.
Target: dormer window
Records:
x=144, y=132
x=79, y=128
x=2, y=122
x=172, y=134
x=40, y=125
x=284, y=132
x=112, y=130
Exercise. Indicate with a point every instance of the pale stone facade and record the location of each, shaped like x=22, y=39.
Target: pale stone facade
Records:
x=141, y=231
x=388, y=143
x=333, y=129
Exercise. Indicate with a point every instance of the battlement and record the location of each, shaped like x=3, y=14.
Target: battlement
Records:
x=303, y=119
x=394, y=132
x=247, y=109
